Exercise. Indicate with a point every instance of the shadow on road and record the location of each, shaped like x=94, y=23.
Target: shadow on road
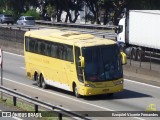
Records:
x=126, y=94
x=57, y=90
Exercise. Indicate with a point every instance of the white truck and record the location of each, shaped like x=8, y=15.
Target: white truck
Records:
x=138, y=34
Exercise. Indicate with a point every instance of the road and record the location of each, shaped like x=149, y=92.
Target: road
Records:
x=136, y=96
x=110, y=34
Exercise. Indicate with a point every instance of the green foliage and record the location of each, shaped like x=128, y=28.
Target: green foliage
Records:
x=1, y=10
x=51, y=10
x=32, y=13
x=11, y=12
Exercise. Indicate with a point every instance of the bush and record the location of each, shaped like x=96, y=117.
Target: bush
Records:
x=32, y=13
x=10, y=12
x=1, y=11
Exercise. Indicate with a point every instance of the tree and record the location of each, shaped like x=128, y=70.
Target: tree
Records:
x=51, y=11
x=69, y=6
x=94, y=8
x=119, y=6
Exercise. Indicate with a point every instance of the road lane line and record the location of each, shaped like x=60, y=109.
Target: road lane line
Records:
x=107, y=109
x=142, y=83
x=23, y=68
x=13, y=54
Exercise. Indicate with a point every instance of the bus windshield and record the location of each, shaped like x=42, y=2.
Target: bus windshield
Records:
x=102, y=63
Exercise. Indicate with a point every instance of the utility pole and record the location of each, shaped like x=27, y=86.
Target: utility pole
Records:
x=1, y=64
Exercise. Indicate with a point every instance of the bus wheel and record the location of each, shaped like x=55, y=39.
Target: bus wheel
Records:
x=38, y=81
x=76, y=91
x=44, y=86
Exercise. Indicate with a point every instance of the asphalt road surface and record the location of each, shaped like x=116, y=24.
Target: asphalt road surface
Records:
x=136, y=96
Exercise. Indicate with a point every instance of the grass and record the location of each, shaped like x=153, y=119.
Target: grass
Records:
x=24, y=107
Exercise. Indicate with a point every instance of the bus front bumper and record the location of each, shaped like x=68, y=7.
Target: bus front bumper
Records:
x=89, y=91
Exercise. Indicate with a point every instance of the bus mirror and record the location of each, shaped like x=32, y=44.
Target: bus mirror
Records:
x=124, y=58
x=81, y=61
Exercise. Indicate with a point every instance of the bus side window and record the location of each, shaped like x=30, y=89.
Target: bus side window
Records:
x=60, y=51
x=31, y=45
x=54, y=50
x=48, y=49
x=36, y=47
x=42, y=48
x=65, y=53
x=69, y=54
x=27, y=43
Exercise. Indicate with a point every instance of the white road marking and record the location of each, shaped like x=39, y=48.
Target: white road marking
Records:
x=22, y=67
x=141, y=83
x=107, y=109
x=13, y=54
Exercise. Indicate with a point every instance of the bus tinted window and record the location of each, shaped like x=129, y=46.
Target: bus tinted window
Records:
x=48, y=49
x=60, y=51
x=69, y=54
x=31, y=45
x=36, y=47
x=54, y=50
x=26, y=43
x=42, y=48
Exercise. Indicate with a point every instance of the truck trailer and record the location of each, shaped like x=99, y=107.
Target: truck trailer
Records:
x=138, y=34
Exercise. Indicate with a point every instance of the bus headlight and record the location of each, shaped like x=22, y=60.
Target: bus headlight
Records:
x=118, y=82
x=89, y=85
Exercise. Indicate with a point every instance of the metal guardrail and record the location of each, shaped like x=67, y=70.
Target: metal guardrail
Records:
x=15, y=33
x=77, y=25
x=62, y=112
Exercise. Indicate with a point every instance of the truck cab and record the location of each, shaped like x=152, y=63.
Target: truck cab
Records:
x=121, y=31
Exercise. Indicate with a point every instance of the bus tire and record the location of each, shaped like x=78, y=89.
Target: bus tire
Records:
x=44, y=85
x=39, y=84
x=75, y=90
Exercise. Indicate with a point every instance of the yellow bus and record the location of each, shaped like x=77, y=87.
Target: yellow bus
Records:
x=81, y=63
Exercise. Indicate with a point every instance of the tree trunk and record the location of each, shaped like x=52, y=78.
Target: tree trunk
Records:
x=59, y=13
x=66, y=19
x=76, y=16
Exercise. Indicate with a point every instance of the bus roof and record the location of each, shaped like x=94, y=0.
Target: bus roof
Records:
x=69, y=37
